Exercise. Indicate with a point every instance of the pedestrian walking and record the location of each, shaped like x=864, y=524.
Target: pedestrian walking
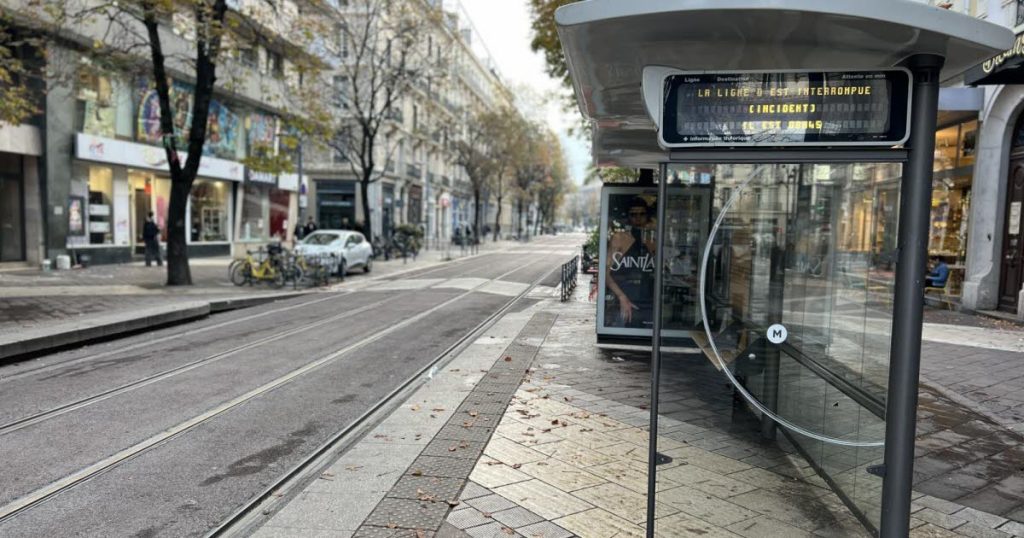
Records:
x=151, y=237
x=300, y=231
x=310, y=226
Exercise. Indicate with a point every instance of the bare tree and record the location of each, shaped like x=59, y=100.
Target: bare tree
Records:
x=512, y=134
x=179, y=38
x=387, y=59
x=479, y=152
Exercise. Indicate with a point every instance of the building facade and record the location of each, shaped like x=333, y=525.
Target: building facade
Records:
x=420, y=182
x=83, y=180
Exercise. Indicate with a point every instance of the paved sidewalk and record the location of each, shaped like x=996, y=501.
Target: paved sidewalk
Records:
x=563, y=453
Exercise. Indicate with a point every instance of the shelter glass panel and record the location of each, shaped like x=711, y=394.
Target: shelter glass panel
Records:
x=786, y=367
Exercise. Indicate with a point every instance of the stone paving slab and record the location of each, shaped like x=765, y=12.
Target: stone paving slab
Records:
x=722, y=482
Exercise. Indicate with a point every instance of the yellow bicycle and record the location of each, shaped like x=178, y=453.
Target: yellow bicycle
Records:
x=249, y=270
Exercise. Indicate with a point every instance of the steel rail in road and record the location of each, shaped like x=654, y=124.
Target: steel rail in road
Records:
x=132, y=347
x=177, y=370
x=241, y=522
x=41, y=494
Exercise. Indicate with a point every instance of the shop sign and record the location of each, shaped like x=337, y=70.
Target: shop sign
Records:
x=1000, y=69
x=288, y=182
x=107, y=150
x=786, y=108
x=256, y=176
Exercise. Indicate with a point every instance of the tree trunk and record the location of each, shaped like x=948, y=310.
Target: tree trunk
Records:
x=476, y=215
x=519, y=218
x=364, y=188
x=497, y=220
x=178, y=271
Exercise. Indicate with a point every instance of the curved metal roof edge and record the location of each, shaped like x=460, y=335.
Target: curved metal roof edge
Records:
x=906, y=12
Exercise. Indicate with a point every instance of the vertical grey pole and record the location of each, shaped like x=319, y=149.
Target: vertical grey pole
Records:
x=298, y=167
x=905, y=347
x=659, y=262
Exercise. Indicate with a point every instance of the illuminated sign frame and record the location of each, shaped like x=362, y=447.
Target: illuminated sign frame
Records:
x=899, y=107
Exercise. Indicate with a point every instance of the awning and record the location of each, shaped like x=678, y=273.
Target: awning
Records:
x=607, y=43
x=1005, y=68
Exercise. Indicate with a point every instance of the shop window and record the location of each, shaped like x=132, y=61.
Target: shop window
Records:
x=968, y=143
x=95, y=103
x=100, y=206
x=946, y=148
x=210, y=205
x=255, y=212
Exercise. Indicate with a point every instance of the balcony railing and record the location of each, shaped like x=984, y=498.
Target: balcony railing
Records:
x=412, y=170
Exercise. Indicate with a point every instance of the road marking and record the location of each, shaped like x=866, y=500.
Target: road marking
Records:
x=54, y=488
x=167, y=374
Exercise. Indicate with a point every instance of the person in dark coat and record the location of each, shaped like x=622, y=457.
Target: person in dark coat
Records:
x=310, y=226
x=151, y=236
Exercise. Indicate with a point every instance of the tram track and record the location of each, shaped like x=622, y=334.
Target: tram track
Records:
x=178, y=370
x=83, y=402
x=334, y=295
x=54, y=488
x=243, y=521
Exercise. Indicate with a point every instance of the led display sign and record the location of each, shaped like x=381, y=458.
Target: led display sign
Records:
x=786, y=108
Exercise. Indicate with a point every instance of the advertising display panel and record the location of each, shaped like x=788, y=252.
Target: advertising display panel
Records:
x=786, y=108
x=627, y=273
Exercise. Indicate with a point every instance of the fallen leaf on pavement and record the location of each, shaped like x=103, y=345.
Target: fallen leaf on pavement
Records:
x=453, y=504
x=415, y=407
x=567, y=398
x=392, y=525
x=452, y=448
x=438, y=410
x=473, y=413
x=508, y=531
x=420, y=533
x=327, y=476
x=554, y=422
x=417, y=472
x=517, y=465
x=508, y=359
x=353, y=467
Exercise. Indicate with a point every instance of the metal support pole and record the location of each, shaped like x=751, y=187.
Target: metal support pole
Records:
x=659, y=264
x=905, y=347
x=304, y=211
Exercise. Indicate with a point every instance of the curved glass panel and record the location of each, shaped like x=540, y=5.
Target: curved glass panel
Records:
x=776, y=309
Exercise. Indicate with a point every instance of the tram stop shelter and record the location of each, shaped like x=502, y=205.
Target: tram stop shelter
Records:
x=782, y=229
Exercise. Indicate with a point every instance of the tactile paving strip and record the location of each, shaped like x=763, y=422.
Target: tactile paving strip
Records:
x=445, y=467
x=408, y=514
x=402, y=512
x=449, y=448
x=427, y=488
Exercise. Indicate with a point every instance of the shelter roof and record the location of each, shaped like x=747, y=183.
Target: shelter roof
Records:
x=607, y=43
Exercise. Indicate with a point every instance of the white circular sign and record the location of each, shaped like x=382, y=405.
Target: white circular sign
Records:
x=777, y=333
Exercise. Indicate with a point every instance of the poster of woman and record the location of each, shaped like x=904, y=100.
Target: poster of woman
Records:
x=630, y=260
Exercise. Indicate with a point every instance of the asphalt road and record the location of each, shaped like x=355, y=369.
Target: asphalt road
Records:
x=169, y=432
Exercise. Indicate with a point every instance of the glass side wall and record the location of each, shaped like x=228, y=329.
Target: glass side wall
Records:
x=797, y=264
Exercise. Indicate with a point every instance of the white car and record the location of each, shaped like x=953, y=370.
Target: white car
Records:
x=350, y=248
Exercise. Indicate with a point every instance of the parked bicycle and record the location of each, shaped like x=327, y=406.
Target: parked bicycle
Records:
x=263, y=265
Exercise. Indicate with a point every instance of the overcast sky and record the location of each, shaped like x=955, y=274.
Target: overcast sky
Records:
x=504, y=26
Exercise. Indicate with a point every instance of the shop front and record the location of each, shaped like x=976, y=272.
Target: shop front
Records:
x=336, y=204
x=777, y=243
x=116, y=184
x=266, y=210
x=12, y=208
